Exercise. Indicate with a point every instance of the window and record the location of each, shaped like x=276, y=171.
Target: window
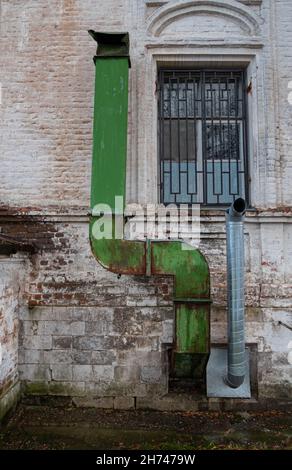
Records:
x=202, y=137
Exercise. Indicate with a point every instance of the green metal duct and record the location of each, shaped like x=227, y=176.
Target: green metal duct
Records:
x=188, y=267
x=110, y=154
x=110, y=120
x=192, y=305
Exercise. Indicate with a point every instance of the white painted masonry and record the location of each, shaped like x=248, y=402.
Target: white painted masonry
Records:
x=86, y=333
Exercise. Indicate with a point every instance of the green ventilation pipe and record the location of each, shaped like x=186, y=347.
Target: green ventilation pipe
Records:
x=188, y=267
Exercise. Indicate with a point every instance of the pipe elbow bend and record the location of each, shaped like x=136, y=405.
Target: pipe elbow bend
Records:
x=234, y=381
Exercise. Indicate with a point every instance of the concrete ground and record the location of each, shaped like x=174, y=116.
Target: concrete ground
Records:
x=65, y=427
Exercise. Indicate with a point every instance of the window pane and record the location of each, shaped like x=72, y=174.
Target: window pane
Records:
x=222, y=140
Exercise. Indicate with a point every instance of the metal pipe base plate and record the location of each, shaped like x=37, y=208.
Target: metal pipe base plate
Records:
x=217, y=370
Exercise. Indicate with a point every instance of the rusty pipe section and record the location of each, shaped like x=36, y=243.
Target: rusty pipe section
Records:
x=235, y=293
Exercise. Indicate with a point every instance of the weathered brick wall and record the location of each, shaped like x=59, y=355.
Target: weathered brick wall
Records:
x=87, y=332
x=284, y=76
x=47, y=81
x=47, y=98
x=10, y=286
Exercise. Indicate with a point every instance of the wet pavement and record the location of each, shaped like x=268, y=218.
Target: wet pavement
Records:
x=48, y=427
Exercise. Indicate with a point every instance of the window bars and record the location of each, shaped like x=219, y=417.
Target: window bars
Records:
x=202, y=137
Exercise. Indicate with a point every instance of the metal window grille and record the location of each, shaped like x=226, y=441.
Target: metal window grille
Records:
x=202, y=137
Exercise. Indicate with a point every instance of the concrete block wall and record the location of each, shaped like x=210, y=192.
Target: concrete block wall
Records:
x=82, y=331
x=94, y=351
x=67, y=362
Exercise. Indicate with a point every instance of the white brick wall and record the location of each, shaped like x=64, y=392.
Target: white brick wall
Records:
x=47, y=93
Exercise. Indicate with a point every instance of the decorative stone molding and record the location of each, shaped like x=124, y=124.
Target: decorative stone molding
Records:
x=232, y=12
x=159, y=3
x=156, y=3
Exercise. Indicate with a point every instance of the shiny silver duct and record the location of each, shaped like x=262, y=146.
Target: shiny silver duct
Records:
x=235, y=293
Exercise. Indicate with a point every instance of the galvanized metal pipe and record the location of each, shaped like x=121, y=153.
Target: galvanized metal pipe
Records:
x=235, y=293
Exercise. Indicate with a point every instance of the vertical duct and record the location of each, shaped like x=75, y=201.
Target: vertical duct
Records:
x=235, y=295
x=133, y=257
